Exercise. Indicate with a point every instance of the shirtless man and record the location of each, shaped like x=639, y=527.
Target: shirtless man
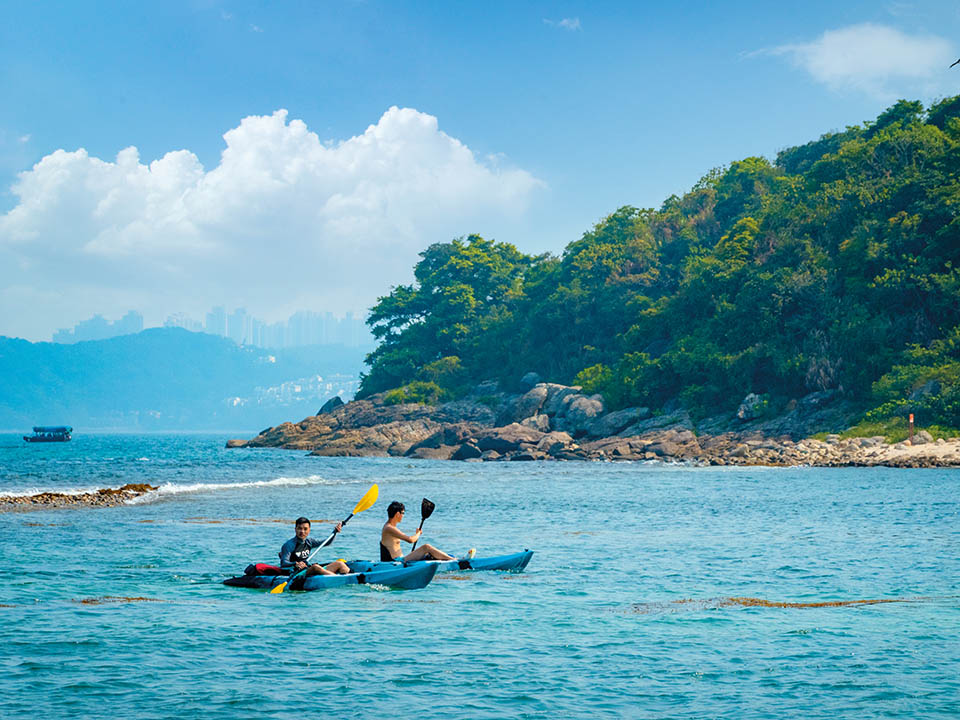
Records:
x=391, y=536
x=294, y=553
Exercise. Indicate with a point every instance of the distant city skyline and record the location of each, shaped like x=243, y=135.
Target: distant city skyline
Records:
x=302, y=328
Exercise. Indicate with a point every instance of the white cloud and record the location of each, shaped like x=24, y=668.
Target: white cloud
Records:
x=566, y=23
x=875, y=59
x=24, y=139
x=283, y=222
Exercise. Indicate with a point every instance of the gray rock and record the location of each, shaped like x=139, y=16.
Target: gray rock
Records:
x=816, y=400
x=537, y=422
x=444, y=452
x=490, y=455
x=751, y=408
x=557, y=398
x=679, y=419
x=529, y=380
x=931, y=387
x=487, y=387
x=554, y=442
x=465, y=411
x=330, y=405
x=530, y=403
x=467, y=451
x=507, y=438
x=922, y=438
x=581, y=412
x=612, y=423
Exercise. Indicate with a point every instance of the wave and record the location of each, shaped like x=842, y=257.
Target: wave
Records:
x=168, y=489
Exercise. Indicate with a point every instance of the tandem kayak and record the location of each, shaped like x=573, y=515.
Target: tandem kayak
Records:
x=515, y=562
x=407, y=578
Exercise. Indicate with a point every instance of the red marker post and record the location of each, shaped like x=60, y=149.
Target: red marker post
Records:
x=911, y=428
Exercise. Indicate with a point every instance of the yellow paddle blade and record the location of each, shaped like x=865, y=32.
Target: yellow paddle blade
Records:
x=367, y=500
x=279, y=588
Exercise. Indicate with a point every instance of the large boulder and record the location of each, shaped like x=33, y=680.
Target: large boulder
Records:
x=529, y=380
x=555, y=442
x=537, y=422
x=581, y=411
x=751, y=408
x=530, y=402
x=557, y=398
x=612, y=423
x=508, y=438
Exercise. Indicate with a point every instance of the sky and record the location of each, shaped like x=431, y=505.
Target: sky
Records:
x=287, y=155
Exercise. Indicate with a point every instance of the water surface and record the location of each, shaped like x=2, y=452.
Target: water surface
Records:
x=630, y=608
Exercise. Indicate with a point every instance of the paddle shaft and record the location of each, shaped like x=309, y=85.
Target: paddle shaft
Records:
x=418, y=540
x=326, y=542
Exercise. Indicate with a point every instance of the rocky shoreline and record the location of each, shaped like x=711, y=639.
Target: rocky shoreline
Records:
x=105, y=497
x=557, y=422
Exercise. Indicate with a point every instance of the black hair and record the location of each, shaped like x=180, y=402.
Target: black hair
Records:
x=394, y=508
x=302, y=521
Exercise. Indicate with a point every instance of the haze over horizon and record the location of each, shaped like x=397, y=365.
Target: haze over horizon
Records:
x=169, y=159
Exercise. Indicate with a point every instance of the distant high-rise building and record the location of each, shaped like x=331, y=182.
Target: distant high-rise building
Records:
x=182, y=320
x=216, y=322
x=99, y=328
x=237, y=329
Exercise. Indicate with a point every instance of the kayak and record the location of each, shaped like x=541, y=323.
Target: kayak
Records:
x=515, y=562
x=407, y=578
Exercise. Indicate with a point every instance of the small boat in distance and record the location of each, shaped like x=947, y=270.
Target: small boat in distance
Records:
x=49, y=433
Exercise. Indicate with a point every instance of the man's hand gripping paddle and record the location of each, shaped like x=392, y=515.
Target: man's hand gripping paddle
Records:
x=426, y=510
x=365, y=503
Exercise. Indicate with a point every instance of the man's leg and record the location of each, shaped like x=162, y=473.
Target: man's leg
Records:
x=337, y=567
x=317, y=570
x=426, y=549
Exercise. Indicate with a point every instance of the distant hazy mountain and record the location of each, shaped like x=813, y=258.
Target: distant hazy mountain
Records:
x=168, y=379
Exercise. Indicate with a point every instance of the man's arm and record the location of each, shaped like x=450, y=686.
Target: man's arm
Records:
x=395, y=532
x=285, y=551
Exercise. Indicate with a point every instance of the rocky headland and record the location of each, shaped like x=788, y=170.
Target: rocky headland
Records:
x=548, y=421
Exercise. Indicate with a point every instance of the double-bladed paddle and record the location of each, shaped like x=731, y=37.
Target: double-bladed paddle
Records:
x=366, y=502
x=426, y=510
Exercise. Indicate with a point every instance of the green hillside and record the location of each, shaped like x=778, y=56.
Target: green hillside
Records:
x=836, y=267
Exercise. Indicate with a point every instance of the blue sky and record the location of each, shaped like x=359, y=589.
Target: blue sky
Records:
x=525, y=122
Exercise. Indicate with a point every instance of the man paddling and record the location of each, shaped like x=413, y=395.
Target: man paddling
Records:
x=391, y=536
x=296, y=550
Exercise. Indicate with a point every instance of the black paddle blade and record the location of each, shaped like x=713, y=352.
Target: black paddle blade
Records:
x=426, y=508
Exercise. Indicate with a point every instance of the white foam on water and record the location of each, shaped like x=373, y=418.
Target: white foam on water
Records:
x=170, y=489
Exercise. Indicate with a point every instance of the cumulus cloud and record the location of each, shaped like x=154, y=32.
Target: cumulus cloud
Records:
x=283, y=222
x=875, y=59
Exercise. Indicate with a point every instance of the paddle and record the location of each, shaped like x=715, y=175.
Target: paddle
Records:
x=366, y=502
x=426, y=510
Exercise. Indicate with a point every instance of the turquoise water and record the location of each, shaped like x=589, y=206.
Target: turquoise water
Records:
x=624, y=610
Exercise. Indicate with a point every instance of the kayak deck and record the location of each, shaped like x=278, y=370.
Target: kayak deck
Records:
x=515, y=562
x=406, y=578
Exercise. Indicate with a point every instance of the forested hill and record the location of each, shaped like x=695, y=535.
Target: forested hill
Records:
x=166, y=379
x=833, y=268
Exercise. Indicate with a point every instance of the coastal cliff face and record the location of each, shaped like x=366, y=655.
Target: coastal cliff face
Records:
x=557, y=422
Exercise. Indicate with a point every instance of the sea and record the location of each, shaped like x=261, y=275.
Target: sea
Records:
x=655, y=591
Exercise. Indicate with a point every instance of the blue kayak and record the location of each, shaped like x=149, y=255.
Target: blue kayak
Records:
x=407, y=578
x=515, y=562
